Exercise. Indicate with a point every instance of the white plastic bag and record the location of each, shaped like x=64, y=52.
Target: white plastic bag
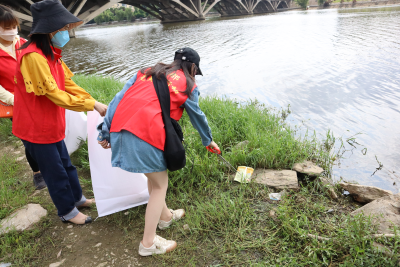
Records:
x=75, y=129
x=114, y=189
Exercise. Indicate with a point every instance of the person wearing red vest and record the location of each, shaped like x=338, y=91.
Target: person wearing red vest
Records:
x=133, y=127
x=10, y=42
x=43, y=91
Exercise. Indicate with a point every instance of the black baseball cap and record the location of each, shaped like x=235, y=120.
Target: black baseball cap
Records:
x=189, y=54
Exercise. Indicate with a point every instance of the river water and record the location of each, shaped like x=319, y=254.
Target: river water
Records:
x=338, y=70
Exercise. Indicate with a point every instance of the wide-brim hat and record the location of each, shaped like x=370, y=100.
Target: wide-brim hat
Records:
x=189, y=54
x=50, y=16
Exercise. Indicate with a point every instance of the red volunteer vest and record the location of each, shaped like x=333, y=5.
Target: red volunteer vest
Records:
x=139, y=111
x=36, y=118
x=8, y=65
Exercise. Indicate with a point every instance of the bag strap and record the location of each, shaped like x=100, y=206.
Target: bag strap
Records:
x=162, y=90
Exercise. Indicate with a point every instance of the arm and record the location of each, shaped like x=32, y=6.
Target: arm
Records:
x=71, y=87
x=198, y=118
x=40, y=81
x=104, y=127
x=6, y=96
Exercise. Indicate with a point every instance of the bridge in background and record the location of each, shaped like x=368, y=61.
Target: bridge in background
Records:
x=164, y=10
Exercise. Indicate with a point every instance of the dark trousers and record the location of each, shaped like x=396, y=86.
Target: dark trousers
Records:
x=31, y=161
x=59, y=174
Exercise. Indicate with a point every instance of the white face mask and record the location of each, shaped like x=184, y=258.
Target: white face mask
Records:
x=8, y=35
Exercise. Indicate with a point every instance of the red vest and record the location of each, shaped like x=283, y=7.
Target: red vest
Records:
x=139, y=111
x=36, y=118
x=8, y=65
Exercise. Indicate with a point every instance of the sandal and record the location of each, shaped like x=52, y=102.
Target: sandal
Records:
x=78, y=221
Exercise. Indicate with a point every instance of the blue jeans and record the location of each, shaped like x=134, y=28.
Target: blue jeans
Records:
x=60, y=176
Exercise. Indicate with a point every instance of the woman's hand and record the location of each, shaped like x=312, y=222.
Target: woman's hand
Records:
x=101, y=108
x=214, y=146
x=104, y=144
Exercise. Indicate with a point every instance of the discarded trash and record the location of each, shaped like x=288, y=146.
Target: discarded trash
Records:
x=277, y=196
x=243, y=174
x=330, y=210
x=4, y=264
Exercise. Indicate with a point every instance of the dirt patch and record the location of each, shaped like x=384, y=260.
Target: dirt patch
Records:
x=95, y=244
x=99, y=244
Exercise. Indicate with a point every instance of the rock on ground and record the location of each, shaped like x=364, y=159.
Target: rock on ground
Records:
x=56, y=264
x=364, y=193
x=384, y=213
x=23, y=218
x=308, y=168
x=327, y=184
x=379, y=248
x=242, y=144
x=285, y=179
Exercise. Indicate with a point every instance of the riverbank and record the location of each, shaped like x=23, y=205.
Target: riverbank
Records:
x=351, y=4
x=227, y=223
x=137, y=21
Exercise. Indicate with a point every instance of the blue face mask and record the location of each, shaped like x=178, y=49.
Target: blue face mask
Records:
x=60, y=38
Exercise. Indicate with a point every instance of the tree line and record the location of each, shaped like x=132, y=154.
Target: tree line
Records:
x=120, y=14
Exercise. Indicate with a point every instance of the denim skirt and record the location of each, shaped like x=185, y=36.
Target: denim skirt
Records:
x=132, y=154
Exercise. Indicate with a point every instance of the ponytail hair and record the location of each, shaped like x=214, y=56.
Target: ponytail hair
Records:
x=188, y=68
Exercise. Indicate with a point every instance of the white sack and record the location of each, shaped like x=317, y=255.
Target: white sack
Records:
x=114, y=188
x=75, y=129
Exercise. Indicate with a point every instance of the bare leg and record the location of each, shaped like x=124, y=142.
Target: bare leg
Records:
x=166, y=214
x=156, y=204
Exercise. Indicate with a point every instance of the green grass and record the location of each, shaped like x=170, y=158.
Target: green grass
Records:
x=13, y=189
x=231, y=224
x=5, y=131
x=20, y=248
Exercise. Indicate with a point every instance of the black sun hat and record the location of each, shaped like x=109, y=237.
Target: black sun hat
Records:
x=50, y=16
x=189, y=54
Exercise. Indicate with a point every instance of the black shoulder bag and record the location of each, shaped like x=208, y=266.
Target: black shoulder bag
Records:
x=174, y=151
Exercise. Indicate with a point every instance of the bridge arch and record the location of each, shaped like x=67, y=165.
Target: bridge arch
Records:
x=164, y=10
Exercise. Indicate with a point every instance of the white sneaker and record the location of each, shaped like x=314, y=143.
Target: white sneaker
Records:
x=176, y=215
x=160, y=246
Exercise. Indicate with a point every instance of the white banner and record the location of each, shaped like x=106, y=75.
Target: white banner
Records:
x=75, y=129
x=114, y=189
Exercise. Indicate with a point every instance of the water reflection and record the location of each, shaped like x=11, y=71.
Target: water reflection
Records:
x=338, y=69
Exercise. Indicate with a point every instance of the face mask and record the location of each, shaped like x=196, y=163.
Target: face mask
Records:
x=8, y=35
x=60, y=38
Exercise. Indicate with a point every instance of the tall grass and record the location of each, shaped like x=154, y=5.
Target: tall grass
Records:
x=20, y=248
x=271, y=142
x=230, y=224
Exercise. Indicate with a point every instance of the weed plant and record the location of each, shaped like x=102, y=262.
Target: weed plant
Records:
x=231, y=224
x=20, y=248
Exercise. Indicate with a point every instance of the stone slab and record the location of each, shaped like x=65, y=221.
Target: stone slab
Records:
x=284, y=179
x=365, y=193
x=23, y=218
x=384, y=213
x=308, y=168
